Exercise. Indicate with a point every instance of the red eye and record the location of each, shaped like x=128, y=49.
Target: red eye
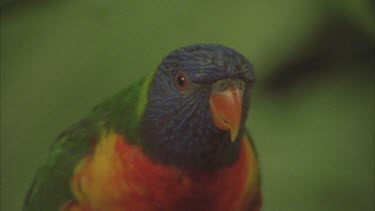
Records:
x=181, y=81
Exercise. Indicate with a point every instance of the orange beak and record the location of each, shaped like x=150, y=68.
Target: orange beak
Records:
x=226, y=109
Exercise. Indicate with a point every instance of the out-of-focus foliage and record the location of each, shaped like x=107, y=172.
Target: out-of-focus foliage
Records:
x=312, y=113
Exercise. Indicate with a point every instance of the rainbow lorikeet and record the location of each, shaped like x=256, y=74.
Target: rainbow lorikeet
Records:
x=175, y=140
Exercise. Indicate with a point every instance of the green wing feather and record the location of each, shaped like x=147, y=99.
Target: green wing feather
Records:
x=50, y=188
x=121, y=113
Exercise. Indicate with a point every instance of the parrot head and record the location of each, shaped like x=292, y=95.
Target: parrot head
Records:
x=197, y=107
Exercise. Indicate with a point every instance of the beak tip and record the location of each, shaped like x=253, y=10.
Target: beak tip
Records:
x=233, y=136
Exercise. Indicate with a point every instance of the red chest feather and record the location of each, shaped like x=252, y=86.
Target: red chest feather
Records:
x=118, y=176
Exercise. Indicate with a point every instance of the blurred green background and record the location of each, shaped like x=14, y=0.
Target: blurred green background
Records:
x=312, y=113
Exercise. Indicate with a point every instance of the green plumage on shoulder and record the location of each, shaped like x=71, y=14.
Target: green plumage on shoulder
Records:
x=121, y=113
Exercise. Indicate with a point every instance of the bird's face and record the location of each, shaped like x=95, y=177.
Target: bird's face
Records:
x=225, y=98
x=199, y=96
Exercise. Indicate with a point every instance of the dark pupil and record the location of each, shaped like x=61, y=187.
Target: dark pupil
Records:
x=181, y=81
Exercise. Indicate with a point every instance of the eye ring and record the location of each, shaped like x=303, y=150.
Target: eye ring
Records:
x=181, y=81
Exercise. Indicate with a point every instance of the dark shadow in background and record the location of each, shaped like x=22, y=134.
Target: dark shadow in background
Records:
x=339, y=44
